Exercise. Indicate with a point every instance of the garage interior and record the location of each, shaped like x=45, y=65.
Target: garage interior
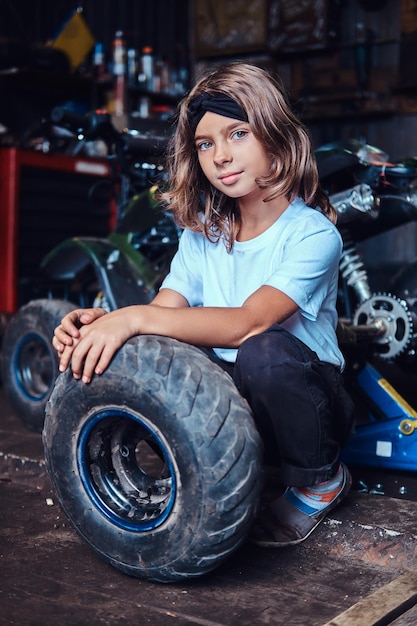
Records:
x=348, y=68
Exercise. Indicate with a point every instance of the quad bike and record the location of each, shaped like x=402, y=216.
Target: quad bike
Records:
x=124, y=268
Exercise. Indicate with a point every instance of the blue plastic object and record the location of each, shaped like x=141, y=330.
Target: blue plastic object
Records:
x=389, y=438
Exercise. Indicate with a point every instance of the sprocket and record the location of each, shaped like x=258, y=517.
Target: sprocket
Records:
x=395, y=319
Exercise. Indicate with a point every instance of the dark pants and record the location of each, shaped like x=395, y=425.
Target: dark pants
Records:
x=300, y=405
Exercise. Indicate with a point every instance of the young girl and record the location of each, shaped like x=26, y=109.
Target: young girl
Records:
x=253, y=283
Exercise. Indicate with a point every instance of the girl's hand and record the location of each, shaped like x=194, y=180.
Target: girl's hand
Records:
x=91, y=347
x=67, y=333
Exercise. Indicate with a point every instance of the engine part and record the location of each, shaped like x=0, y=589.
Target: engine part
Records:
x=395, y=320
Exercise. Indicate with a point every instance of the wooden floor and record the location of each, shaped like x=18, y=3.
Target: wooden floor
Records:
x=358, y=569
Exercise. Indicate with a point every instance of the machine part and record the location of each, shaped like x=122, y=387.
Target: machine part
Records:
x=391, y=314
x=353, y=271
x=362, y=334
x=101, y=301
x=29, y=362
x=157, y=462
x=122, y=273
x=358, y=202
x=407, y=426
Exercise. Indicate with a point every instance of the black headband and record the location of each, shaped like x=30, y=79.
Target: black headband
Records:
x=219, y=103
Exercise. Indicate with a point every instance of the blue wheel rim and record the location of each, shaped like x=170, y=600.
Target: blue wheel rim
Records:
x=34, y=367
x=127, y=469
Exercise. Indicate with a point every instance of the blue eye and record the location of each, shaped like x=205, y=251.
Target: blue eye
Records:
x=240, y=134
x=204, y=145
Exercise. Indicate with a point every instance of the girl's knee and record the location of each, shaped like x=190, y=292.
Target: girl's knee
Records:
x=258, y=359
x=275, y=346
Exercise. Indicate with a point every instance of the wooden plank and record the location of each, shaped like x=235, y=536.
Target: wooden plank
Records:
x=383, y=606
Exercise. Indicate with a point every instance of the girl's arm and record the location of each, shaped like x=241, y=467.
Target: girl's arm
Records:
x=67, y=333
x=170, y=315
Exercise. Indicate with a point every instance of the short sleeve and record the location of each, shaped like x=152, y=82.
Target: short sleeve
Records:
x=302, y=273
x=185, y=276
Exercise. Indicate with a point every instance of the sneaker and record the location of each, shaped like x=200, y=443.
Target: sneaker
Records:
x=280, y=523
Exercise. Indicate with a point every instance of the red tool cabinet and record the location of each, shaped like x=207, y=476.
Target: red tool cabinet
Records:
x=44, y=199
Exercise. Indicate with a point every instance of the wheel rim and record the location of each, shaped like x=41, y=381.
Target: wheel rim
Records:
x=127, y=469
x=34, y=367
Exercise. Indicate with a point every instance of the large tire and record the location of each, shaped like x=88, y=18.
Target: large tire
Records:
x=29, y=363
x=156, y=463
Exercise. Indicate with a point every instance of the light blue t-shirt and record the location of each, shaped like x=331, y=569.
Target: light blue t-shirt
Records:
x=299, y=255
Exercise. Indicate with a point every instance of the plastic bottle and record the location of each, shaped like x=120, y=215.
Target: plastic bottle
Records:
x=147, y=68
x=119, y=73
x=132, y=67
x=98, y=61
x=119, y=54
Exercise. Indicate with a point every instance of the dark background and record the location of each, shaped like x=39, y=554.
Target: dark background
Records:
x=349, y=65
x=162, y=24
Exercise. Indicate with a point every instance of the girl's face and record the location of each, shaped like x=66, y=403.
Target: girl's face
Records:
x=230, y=156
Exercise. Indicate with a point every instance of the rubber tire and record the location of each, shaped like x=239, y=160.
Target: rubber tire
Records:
x=28, y=361
x=207, y=494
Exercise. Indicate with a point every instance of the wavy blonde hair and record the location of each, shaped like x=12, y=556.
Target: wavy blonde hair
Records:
x=293, y=165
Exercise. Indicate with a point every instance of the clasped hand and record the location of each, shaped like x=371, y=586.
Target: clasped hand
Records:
x=88, y=339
